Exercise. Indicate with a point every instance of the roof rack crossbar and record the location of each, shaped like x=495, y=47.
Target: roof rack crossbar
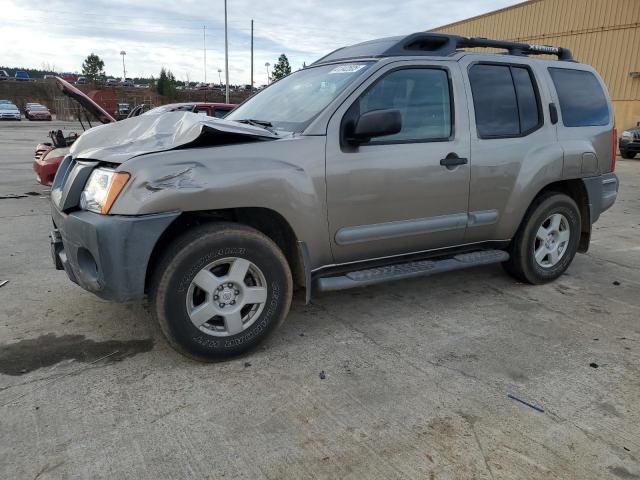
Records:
x=515, y=48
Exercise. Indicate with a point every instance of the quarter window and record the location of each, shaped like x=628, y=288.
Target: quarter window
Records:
x=582, y=100
x=505, y=101
x=422, y=95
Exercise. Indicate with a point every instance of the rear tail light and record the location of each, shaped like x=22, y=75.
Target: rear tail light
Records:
x=614, y=149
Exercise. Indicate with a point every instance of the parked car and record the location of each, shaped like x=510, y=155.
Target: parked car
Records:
x=122, y=111
x=29, y=105
x=111, y=82
x=128, y=82
x=38, y=112
x=4, y=75
x=629, y=143
x=81, y=81
x=22, y=76
x=68, y=77
x=386, y=160
x=49, y=154
x=217, y=110
x=8, y=111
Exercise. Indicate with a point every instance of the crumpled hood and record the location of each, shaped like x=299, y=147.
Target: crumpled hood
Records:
x=123, y=140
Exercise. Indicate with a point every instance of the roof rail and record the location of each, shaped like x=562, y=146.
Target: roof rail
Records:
x=437, y=44
x=515, y=48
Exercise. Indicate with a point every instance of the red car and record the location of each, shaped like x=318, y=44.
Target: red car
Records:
x=38, y=112
x=48, y=155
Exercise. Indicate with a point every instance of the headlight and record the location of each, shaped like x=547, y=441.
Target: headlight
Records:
x=627, y=135
x=102, y=189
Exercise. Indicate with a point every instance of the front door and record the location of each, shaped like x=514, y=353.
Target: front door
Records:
x=393, y=195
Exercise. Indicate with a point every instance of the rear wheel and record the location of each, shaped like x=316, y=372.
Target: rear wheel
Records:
x=627, y=155
x=547, y=240
x=219, y=290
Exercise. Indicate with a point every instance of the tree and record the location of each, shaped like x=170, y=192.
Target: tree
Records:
x=281, y=69
x=166, y=84
x=92, y=67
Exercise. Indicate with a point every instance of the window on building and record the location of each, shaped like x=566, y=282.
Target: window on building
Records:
x=505, y=100
x=582, y=100
x=423, y=98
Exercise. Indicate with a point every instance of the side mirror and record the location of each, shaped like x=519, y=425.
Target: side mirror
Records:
x=377, y=123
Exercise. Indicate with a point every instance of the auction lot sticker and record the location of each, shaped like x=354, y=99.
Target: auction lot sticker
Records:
x=348, y=68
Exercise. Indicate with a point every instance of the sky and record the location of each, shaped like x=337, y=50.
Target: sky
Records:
x=161, y=33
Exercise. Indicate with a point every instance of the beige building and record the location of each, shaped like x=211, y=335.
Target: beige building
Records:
x=602, y=33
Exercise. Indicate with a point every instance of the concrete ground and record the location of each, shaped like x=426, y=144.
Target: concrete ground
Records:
x=416, y=373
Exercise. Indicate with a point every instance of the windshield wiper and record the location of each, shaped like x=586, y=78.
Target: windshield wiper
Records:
x=259, y=123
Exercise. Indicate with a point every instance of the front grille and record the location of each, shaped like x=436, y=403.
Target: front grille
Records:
x=41, y=152
x=636, y=135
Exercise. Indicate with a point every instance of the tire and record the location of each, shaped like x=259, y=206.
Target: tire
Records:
x=174, y=292
x=540, y=217
x=627, y=155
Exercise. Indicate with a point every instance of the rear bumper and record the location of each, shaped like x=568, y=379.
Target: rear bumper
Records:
x=602, y=191
x=107, y=255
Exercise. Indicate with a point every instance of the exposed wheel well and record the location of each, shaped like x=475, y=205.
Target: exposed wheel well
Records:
x=267, y=221
x=575, y=189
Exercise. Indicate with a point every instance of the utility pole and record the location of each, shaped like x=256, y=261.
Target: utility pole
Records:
x=124, y=70
x=226, y=53
x=268, y=79
x=204, y=47
x=252, y=55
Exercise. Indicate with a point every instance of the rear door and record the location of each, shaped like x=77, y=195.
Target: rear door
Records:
x=392, y=195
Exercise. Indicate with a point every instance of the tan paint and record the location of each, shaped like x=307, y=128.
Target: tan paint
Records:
x=602, y=33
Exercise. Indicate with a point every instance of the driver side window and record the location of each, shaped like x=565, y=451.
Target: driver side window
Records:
x=423, y=98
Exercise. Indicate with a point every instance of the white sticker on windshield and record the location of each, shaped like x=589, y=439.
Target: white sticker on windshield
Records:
x=348, y=68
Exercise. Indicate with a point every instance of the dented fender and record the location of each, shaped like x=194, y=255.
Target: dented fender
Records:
x=285, y=175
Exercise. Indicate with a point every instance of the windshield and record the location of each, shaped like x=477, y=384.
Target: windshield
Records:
x=293, y=102
x=7, y=106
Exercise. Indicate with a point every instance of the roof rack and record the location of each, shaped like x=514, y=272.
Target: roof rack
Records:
x=440, y=45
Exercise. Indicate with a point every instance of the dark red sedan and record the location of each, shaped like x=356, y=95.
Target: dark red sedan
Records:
x=38, y=112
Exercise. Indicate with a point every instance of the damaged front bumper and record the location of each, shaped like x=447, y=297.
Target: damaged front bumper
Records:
x=107, y=255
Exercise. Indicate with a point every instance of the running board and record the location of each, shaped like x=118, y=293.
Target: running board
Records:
x=400, y=271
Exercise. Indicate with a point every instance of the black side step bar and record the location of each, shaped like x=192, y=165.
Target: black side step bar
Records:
x=400, y=271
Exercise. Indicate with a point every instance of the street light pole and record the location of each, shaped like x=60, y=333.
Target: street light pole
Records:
x=226, y=53
x=220, y=76
x=204, y=46
x=124, y=70
x=251, y=55
x=268, y=79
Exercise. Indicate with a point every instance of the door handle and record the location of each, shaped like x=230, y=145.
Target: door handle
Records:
x=453, y=160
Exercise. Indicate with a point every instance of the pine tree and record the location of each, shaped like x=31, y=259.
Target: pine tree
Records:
x=281, y=69
x=92, y=67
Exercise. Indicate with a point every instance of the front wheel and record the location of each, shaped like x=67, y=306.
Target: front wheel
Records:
x=547, y=240
x=219, y=290
x=627, y=155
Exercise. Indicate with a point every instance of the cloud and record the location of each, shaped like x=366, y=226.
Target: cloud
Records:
x=170, y=34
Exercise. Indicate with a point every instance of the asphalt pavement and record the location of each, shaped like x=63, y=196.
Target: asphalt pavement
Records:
x=463, y=375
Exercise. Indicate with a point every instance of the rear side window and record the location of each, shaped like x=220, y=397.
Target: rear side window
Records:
x=505, y=101
x=582, y=100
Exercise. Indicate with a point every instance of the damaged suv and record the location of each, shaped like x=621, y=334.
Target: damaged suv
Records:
x=386, y=160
